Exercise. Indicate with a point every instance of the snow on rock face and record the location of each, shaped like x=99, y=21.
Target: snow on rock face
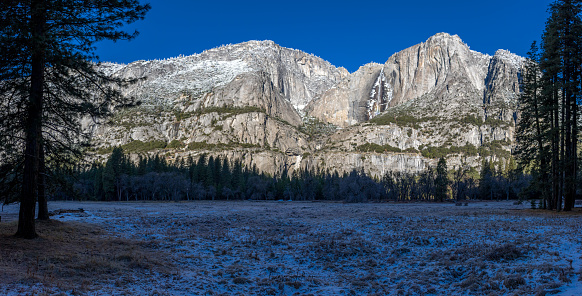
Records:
x=298, y=75
x=431, y=65
x=170, y=78
x=380, y=96
x=502, y=85
x=441, y=81
x=515, y=60
x=346, y=103
x=426, y=68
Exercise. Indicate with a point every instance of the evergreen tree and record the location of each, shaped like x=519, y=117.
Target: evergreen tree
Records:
x=549, y=106
x=217, y=173
x=199, y=173
x=209, y=180
x=48, y=80
x=237, y=177
x=225, y=176
x=486, y=178
x=112, y=173
x=442, y=180
x=533, y=126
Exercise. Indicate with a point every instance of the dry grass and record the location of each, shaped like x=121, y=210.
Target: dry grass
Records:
x=284, y=248
x=73, y=257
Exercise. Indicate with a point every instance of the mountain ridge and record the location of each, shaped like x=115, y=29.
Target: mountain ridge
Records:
x=280, y=108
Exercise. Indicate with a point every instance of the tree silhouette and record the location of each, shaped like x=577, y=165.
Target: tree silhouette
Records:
x=47, y=79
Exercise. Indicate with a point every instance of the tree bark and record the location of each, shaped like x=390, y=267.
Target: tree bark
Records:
x=33, y=125
x=42, y=201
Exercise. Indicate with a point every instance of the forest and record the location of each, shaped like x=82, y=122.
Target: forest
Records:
x=211, y=178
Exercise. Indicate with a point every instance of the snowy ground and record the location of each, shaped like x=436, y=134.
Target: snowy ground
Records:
x=304, y=248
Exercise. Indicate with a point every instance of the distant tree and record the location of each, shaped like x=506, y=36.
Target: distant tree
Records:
x=442, y=180
x=225, y=178
x=458, y=183
x=486, y=180
x=209, y=176
x=237, y=178
x=112, y=172
x=426, y=184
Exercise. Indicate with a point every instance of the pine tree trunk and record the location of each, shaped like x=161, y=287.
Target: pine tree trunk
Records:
x=33, y=126
x=42, y=201
x=576, y=130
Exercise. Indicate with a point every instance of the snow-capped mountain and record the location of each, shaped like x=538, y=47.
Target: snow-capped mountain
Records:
x=443, y=66
x=278, y=108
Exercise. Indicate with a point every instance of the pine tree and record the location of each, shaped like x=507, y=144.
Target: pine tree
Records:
x=549, y=105
x=199, y=174
x=48, y=80
x=486, y=180
x=111, y=173
x=209, y=173
x=532, y=148
x=225, y=175
x=442, y=180
x=238, y=180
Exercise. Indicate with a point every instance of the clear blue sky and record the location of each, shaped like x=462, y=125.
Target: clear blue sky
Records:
x=346, y=33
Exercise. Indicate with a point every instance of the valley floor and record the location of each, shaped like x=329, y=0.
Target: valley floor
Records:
x=288, y=248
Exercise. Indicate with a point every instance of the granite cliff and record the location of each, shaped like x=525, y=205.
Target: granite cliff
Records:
x=278, y=108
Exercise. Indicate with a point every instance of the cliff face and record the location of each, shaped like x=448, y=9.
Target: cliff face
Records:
x=345, y=104
x=296, y=75
x=276, y=107
x=442, y=67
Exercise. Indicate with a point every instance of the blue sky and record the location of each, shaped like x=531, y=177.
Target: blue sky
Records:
x=346, y=33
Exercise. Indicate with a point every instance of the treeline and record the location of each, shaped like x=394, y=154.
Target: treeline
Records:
x=209, y=178
x=549, y=127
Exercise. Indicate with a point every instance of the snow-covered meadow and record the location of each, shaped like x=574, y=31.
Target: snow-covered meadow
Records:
x=298, y=248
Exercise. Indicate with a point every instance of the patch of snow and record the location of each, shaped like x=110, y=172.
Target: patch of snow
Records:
x=109, y=68
x=380, y=96
x=339, y=249
x=513, y=59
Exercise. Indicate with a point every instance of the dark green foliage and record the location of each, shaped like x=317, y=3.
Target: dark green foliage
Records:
x=201, y=146
x=549, y=127
x=473, y=120
x=222, y=111
x=411, y=150
x=315, y=128
x=176, y=144
x=228, y=110
x=206, y=146
x=139, y=146
x=209, y=177
x=372, y=147
x=439, y=152
x=494, y=148
x=402, y=120
x=494, y=122
x=531, y=149
x=442, y=180
x=49, y=83
x=487, y=181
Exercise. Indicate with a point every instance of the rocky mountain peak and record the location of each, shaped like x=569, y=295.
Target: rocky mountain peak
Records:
x=443, y=38
x=428, y=68
x=257, y=101
x=515, y=60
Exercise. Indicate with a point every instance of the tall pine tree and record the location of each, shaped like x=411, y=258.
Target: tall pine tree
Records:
x=555, y=96
x=49, y=80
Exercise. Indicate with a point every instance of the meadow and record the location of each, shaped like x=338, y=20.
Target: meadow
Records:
x=293, y=248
